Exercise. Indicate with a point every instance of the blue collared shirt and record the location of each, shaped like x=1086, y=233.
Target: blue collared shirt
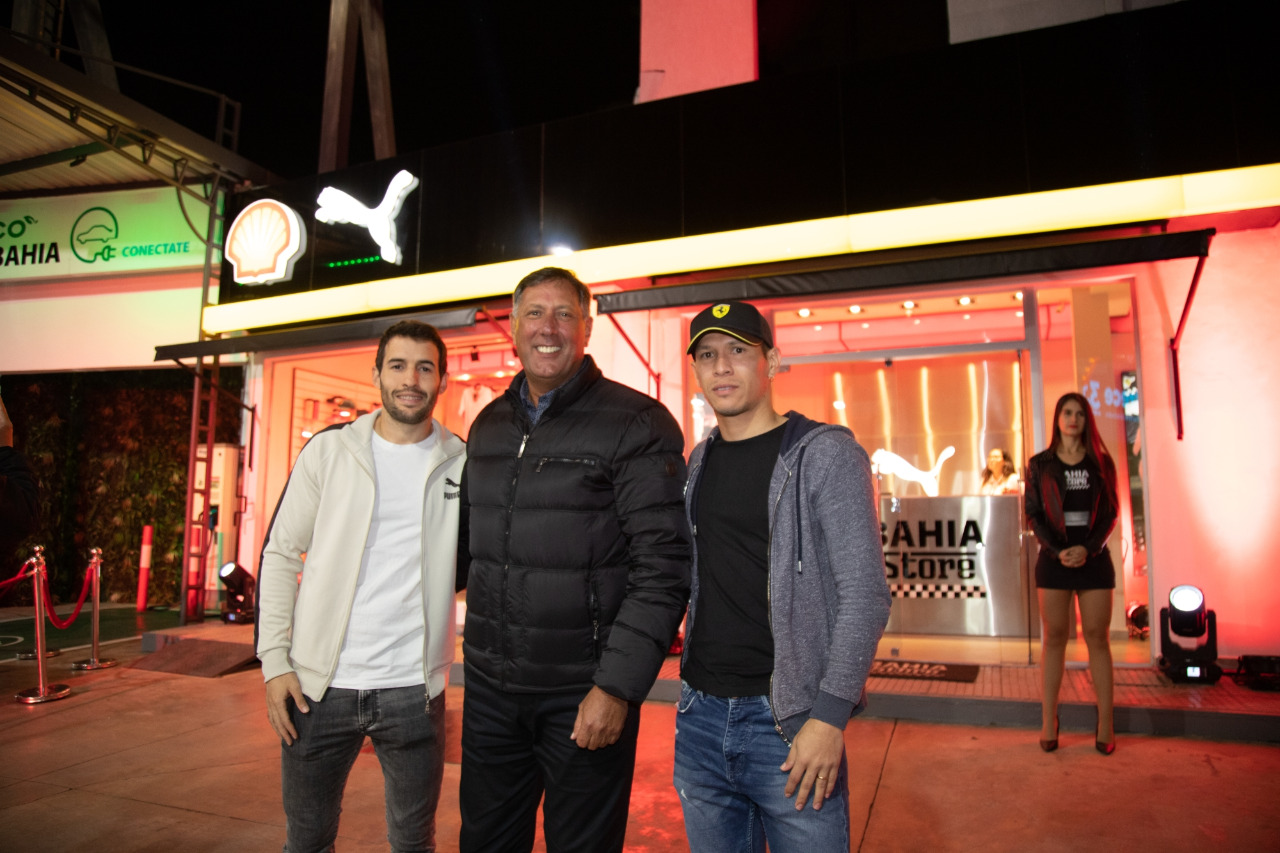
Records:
x=544, y=402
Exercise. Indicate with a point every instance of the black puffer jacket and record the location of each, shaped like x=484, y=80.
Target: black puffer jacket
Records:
x=579, y=547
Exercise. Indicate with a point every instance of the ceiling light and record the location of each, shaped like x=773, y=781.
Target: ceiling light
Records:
x=561, y=251
x=855, y=309
x=1018, y=296
x=966, y=316
x=838, y=405
x=804, y=312
x=1017, y=313
x=908, y=305
x=866, y=325
x=964, y=300
x=465, y=377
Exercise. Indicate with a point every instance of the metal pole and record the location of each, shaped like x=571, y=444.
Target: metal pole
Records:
x=45, y=692
x=94, y=662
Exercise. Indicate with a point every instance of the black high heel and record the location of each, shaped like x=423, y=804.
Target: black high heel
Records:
x=1051, y=745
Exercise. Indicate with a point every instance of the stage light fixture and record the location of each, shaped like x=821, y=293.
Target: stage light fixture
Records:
x=240, y=588
x=1187, y=616
x=1137, y=619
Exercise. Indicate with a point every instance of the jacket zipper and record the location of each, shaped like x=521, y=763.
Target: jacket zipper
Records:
x=777, y=725
x=506, y=566
x=426, y=649
x=691, y=511
x=571, y=460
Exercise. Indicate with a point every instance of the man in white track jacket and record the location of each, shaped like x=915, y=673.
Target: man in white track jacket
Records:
x=356, y=602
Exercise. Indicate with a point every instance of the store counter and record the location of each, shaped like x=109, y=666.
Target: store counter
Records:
x=954, y=565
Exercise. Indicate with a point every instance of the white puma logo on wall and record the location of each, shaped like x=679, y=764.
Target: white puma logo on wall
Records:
x=380, y=221
x=884, y=462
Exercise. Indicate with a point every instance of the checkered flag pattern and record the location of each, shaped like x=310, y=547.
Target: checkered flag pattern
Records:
x=936, y=590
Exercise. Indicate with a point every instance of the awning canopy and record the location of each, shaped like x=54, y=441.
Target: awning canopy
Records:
x=962, y=264
x=313, y=336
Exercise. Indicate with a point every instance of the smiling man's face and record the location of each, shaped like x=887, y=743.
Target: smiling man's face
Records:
x=551, y=332
x=410, y=380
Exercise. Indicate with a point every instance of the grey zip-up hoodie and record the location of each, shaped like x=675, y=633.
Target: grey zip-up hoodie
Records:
x=828, y=599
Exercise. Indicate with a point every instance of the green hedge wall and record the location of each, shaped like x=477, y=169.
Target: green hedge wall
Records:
x=109, y=450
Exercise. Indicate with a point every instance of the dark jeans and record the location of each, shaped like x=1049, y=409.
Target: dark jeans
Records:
x=407, y=733
x=515, y=748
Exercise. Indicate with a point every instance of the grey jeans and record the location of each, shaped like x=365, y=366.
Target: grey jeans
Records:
x=407, y=732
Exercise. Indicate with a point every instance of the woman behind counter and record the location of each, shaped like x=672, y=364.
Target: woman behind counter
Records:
x=999, y=477
x=1071, y=504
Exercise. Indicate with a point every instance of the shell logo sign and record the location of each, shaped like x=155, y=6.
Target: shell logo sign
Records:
x=264, y=242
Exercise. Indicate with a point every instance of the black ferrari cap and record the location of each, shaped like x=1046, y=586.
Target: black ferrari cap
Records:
x=740, y=320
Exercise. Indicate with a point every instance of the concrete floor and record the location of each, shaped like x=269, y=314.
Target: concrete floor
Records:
x=144, y=761
x=136, y=760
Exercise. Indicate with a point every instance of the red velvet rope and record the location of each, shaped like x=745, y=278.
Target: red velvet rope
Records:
x=22, y=575
x=11, y=581
x=48, y=601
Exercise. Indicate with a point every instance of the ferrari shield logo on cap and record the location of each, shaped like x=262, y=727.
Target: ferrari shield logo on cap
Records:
x=720, y=310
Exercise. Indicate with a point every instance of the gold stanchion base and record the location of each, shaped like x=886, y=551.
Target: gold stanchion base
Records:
x=94, y=663
x=35, y=695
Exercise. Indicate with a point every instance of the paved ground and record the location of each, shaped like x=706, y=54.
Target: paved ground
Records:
x=137, y=760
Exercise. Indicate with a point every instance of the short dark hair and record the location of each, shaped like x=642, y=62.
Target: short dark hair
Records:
x=418, y=331
x=547, y=274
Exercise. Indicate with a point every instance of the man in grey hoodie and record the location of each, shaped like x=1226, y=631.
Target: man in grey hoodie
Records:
x=788, y=603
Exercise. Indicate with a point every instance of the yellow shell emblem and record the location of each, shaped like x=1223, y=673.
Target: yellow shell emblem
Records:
x=720, y=310
x=264, y=242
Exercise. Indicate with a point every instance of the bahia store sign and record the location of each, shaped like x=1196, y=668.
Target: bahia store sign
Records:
x=99, y=234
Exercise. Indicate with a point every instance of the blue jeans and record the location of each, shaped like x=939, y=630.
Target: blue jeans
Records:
x=407, y=733
x=727, y=759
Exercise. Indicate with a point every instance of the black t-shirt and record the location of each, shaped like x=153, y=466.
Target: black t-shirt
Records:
x=731, y=645
x=1077, y=501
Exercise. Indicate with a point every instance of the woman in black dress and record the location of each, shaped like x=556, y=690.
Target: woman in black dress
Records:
x=1071, y=503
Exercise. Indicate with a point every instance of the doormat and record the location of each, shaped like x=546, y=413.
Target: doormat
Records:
x=203, y=658
x=925, y=671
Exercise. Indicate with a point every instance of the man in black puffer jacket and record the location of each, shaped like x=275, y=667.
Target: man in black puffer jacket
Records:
x=579, y=574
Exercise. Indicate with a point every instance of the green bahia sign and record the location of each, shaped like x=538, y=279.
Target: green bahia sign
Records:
x=100, y=234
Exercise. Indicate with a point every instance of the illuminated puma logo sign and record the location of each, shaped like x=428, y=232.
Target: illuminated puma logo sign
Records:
x=894, y=465
x=380, y=221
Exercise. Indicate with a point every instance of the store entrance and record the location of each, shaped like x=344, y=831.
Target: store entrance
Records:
x=931, y=384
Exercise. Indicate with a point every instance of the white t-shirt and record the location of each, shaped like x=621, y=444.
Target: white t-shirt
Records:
x=997, y=486
x=386, y=632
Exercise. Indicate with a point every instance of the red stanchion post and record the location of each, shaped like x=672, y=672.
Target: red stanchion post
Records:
x=144, y=568
x=46, y=692
x=94, y=662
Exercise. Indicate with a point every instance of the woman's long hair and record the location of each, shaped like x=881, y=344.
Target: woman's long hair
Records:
x=1092, y=441
x=1005, y=470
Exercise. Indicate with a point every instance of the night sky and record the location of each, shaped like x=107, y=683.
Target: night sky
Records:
x=458, y=70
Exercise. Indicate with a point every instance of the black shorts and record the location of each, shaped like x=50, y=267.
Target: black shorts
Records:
x=1096, y=573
